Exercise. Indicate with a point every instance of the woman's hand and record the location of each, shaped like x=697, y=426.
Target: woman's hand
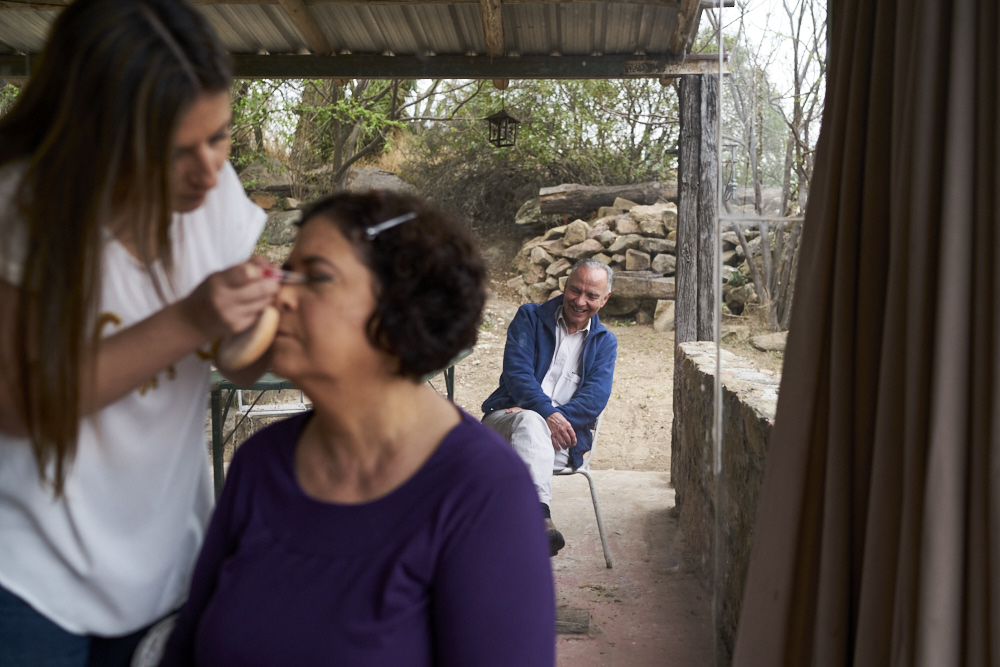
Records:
x=230, y=301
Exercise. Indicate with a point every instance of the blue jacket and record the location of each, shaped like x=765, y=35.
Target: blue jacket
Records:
x=531, y=342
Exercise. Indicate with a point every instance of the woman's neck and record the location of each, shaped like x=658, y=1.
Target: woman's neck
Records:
x=364, y=442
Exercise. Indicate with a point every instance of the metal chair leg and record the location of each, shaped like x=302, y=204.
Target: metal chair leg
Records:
x=600, y=521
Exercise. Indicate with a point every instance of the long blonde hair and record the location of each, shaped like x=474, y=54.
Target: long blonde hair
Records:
x=93, y=129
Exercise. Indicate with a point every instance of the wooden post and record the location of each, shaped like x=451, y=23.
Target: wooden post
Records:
x=697, y=293
x=689, y=159
x=708, y=207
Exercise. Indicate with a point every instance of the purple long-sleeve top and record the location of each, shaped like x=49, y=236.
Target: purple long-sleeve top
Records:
x=451, y=568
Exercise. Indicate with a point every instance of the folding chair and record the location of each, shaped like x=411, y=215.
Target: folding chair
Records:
x=255, y=409
x=584, y=470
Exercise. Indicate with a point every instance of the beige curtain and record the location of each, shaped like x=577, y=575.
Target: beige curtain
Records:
x=878, y=533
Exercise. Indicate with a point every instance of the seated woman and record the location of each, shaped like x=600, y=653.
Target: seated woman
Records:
x=387, y=526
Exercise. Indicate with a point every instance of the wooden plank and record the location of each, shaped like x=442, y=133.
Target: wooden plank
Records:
x=252, y=66
x=686, y=309
x=369, y=3
x=572, y=621
x=685, y=27
x=492, y=27
x=708, y=207
x=306, y=24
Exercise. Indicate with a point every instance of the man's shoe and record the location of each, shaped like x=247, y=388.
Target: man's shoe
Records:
x=556, y=540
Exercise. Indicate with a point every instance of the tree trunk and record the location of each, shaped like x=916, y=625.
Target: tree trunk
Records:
x=582, y=200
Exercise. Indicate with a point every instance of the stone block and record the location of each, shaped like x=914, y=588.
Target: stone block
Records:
x=516, y=283
x=626, y=225
x=623, y=204
x=558, y=267
x=554, y=233
x=601, y=257
x=599, y=228
x=539, y=292
x=652, y=213
x=562, y=283
x=539, y=256
x=585, y=249
x=664, y=264
x=656, y=246
x=576, y=232
x=264, y=200
x=636, y=260
x=280, y=227
x=534, y=273
x=772, y=342
x=642, y=317
x=653, y=228
x=607, y=237
x=643, y=285
x=626, y=242
x=672, y=236
x=551, y=282
x=670, y=219
x=555, y=247
x=663, y=317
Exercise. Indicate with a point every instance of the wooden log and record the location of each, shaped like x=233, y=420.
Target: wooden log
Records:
x=581, y=200
x=642, y=285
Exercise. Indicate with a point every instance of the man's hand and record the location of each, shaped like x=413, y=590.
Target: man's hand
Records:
x=563, y=435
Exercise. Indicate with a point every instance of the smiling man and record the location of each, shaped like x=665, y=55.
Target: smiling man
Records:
x=558, y=364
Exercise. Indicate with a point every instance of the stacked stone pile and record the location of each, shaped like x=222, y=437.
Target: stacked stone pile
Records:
x=626, y=236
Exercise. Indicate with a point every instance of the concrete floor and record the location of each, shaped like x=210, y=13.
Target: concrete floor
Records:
x=647, y=609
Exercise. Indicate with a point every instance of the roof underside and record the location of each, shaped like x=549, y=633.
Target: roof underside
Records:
x=421, y=38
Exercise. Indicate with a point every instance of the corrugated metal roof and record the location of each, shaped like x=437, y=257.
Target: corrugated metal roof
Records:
x=531, y=30
x=545, y=28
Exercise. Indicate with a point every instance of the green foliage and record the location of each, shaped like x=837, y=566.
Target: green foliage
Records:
x=8, y=95
x=737, y=278
x=592, y=132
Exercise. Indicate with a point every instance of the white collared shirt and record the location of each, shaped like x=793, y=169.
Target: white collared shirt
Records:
x=563, y=378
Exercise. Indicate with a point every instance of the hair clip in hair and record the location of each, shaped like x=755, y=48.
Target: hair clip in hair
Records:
x=375, y=230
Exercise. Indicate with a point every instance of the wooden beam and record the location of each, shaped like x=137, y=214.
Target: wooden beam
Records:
x=34, y=5
x=369, y=3
x=252, y=66
x=492, y=27
x=687, y=24
x=306, y=24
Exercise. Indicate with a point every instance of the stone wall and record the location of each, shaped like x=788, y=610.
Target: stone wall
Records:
x=749, y=399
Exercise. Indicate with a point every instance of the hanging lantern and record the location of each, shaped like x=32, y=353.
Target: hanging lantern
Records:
x=503, y=129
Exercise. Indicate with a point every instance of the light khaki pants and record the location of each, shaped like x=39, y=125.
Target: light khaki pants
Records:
x=531, y=438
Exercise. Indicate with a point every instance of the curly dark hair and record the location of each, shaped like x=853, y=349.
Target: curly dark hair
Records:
x=428, y=273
